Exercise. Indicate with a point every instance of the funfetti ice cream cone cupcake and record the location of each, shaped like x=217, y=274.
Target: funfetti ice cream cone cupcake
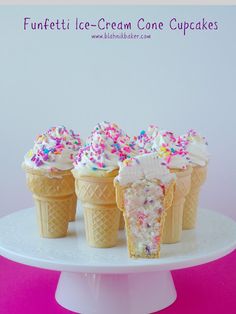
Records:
x=95, y=168
x=48, y=173
x=197, y=148
x=144, y=191
x=171, y=148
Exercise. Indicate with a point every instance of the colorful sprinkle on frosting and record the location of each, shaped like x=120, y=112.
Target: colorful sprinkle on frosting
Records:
x=105, y=148
x=54, y=149
x=144, y=140
x=197, y=147
x=168, y=146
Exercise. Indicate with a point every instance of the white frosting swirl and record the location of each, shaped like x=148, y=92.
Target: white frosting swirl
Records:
x=54, y=149
x=146, y=166
x=145, y=139
x=197, y=148
x=106, y=146
x=172, y=149
x=166, y=144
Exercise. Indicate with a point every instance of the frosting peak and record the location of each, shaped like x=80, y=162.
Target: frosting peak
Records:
x=197, y=148
x=146, y=166
x=145, y=139
x=166, y=144
x=107, y=145
x=54, y=148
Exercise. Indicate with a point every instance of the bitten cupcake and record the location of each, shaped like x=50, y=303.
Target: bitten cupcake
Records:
x=197, y=148
x=144, y=191
x=95, y=168
x=48, y=173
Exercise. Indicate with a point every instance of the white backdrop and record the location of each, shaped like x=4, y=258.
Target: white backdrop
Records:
x=173, y=81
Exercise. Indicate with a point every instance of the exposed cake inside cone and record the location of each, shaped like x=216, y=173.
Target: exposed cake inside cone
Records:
x=96, y=166
x=144, y=212
x=143, y=184
x=48, y=171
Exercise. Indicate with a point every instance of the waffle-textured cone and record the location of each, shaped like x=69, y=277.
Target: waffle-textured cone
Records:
x=120, y=199
x=101, y=224
x=174, y=218
x=53, y=193
x=101, y=214
x=52, y=216
x=198, y=177
x=73, y=207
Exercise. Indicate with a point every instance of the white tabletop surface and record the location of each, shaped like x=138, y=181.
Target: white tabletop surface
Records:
x=214, y=237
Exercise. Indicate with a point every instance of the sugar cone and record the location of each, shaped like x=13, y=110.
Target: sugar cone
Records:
x=52, y=214
x=53, y=193
x=120, y=199
x=198, y=177
x=73, y=207
x=101, y=214
x=174, y=218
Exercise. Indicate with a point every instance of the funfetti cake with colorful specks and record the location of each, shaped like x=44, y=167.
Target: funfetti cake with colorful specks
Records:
x=48, y=172
x=95, y=167
x=144, y=191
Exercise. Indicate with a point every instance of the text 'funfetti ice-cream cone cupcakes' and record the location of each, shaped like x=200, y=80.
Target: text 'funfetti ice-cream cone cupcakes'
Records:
x=95, y=168
x=172, y=150
x=197, y=148
x=48, y=172
x=144, y=191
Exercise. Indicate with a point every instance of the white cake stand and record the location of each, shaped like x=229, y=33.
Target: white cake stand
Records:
x=105, y=281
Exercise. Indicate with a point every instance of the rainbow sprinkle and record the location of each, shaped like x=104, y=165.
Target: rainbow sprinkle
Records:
x=107, y=144
x=52, y=143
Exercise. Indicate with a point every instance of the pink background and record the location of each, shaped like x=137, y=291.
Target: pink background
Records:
x=208, y=288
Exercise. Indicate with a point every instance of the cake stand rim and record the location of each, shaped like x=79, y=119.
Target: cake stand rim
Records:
x=119, y=269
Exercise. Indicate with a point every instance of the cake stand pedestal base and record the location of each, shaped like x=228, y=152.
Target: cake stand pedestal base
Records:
x=133, y=293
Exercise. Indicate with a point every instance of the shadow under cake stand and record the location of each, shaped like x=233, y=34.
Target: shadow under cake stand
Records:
x=105, y=281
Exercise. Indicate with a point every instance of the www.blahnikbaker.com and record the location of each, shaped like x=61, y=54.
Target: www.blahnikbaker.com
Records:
x=121, y=35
